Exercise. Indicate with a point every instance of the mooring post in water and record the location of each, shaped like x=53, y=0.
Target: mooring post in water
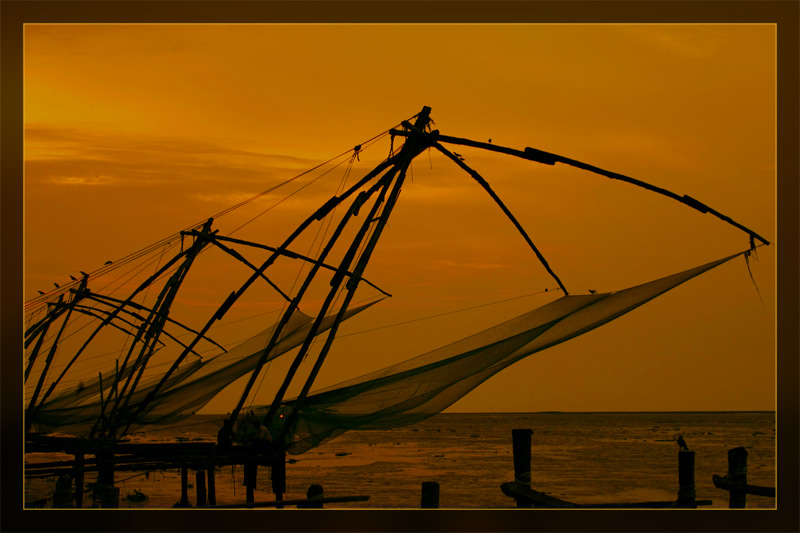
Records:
x=686, y=487
x=184, y=487
x=109, y=494
x=212, y=496
x=737, y=475
x=521, y=440
x=279, y=475
x=79, y=479
x=430, y=495
x=200, y=487
x=250, y=476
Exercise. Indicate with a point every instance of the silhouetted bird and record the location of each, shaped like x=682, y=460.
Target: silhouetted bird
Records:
x=57, y=285
x=490, y=141
x=682, y=443
x=592, y=291
x=458, y=155
x=545, y=289
x=73, y=278
x=40, y=292
x=107, y=263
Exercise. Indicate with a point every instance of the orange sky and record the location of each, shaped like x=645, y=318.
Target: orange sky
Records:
x=135, y=132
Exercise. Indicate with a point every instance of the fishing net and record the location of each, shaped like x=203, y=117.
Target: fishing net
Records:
x=186, y=391
x=418, y=388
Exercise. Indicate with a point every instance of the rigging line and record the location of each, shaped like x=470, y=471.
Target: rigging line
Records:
x=329, y=219
x=331, y=215
x=365, y=145
x=285, y=198
x=260, y=382
x=151, y=247
x=243, y=202
x=449, y=312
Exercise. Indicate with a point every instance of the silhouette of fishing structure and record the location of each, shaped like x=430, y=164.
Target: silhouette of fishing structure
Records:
x=152, y=367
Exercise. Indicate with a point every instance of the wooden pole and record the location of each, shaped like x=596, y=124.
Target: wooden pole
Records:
x=79, y=479
x=212, y=496
x=250, y=475
x=200, y=487
x=521, y=441
x=686, y=487
x=184, y=487
x=109, y=496
x=279, y=475
x=737, y=475
x=430, y=495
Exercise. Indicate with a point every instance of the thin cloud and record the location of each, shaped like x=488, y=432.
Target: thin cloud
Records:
x=82, y=156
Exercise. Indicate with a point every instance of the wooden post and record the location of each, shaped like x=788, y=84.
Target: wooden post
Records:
x=109, y=494
x=737, y=474
x=79, y=479
x=200, y=487
x=279, y=474
x=250, y=476
x=521, y=440
x=212, y=496
x=686, y=487
x=184, y=487
x=62, y=497
x=430, y=495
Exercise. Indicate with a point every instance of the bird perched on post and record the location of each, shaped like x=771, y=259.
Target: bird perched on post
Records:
x=73, y=278
x=682, y=443
x=592, y=291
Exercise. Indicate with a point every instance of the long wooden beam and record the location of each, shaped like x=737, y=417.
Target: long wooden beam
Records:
x=547, y=158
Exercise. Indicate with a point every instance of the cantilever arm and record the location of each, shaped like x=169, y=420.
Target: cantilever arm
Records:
x=548, y=158
x=477, y=177
x=294, y=255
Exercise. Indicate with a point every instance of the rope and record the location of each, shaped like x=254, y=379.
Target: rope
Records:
x=37, y=301
x=448, y=313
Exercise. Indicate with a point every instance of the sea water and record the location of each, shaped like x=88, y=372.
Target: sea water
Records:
x=580, y=457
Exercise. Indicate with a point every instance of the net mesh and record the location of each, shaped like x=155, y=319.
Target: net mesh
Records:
x=186, y=391
x=416, y=389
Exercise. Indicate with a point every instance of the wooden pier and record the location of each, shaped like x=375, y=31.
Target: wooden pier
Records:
x=106, y=458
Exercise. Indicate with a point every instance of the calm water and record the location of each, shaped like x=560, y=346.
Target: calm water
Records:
x=581, y=457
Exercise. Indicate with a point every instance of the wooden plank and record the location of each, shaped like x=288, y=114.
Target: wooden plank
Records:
x=522, y=492
x=722, y=482
x=335, y=499
x=539, y=499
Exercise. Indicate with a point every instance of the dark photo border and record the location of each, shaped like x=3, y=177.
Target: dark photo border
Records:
x=785, y=14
